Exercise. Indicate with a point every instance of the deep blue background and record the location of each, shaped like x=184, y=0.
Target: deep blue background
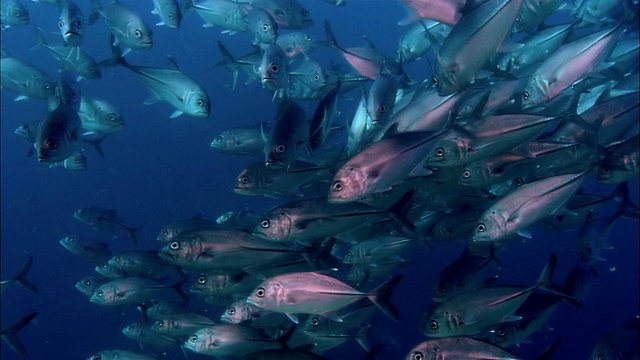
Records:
x=158, y=170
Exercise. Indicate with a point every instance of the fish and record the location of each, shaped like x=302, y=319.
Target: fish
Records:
x=145, y=336
x=423, y=36
x=92, y=251
x=181, y=325
x=21, y=278
x=289, y=14
x=321, y=120
x=77, y=161
x=113, y=354
x=248, y=63
x=25, y=79
x=621, y=343
x=71, y=23
x=259, y=179
x=288, y=133
x=13, y=13
x=226, y=14
x=101, y=219
x=274, y=68
x=132, y=291
x=169, y=13
x=297, y=43
x=70, y=58
x=315, y=293
x=230, y=340
x=173, y=230
x=89, y=284
x=458, y=348
x=244, y=140
x=447, y=12
x=472, y=41
x=99, y=117
x=170, y=85
x=10, y=335
x=58, y=135
x=125, y=24
x=263, y=26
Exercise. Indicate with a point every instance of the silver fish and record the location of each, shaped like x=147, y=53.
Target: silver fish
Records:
x=92, y=251
x=13, y=13
x=169, y=13
x=288, y=14
x=70, y=58
x=125, y=24
x=98, y=116
x=119, y=355
x=27, y=80
x=71, y=23
x=274, y=68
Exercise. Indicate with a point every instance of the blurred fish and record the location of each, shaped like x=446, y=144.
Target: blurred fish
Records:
x=322, y=119
x=533, y=13
x=92, y=251
x=314, y=293
x=593, y=236
x=296, y=43
x=58, y=135
x=230, y=340
x=289, y=132
x=181, y=325
x=421, y=37
x=263, y=26
x=445, y=11
x=169, y=13
x=621, y=164
x=226, y=14
x=21, y=278
x=580, y=280
x=132, y=291
x=25, y=79
x=10, y=335
x=170, y=85
x=288, y=14
x=159, y=308
x=377, y=250
x=80, y=63
x=618, y=344
x=102, y=219
x=458, y=348
x=77, y=161
x=109, y=271
x=139, y=262
x=13, y=13
x=100, y=117
x=89, y=284
x=71, y=23
x=126, y=25
x=145, y=336
x=366, y=60
x=259, y=179
x=244, y=140
x=248, y=63
x=176, y=228
x=120, y=355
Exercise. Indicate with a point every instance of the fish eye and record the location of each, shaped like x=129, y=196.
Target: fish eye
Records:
x=87, y=282
x=417, y=356
x=317, y=77
x=439, y=151
x=200, y=103
x=501, y=332
x=265, y=223
x=175, y=245
x=138, y=33
x=275, y=68
x=307, y=38
x=159, y=323
x=606, y=170
x=434, y=80
x=466, y=174
x=99, y=293
x=588, y=251
x=337, y=186
x=315, y=321
x=193, y=338
x=519, y=181
x=202, y=279
x=50, y=144
x=78, y=160
x=61, y=23
x=231, y=311
x=170, y=16
x=244, y=179
x=602, y=357
x=96, y=357
x=481, y=227
x=260, y=292
x=349, y=254
x=130, y=327
x=433, y=325
x=165, y=233
x=382, y=108
x=442, y=289
x=526, y=95
x=305, y=12
x=71, y=239
x=117, y=258
x=280, y=148
x=265, y=27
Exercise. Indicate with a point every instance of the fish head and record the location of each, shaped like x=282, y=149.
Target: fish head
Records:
x=162, y=325
x=247, y=182
x=111, y=119
x=53, y=146
x=177, y=250
x=103, y=295
x=17, y=13
x=275, y=226
x=236, y=313
x=491, y=227
x=70, y=242
x=273, y=68
x=77, y=161
x=138, y=37
x=200, y=341
x=446, y=79
x=132, y=331
x=349, y=185
x=280, y=153
x=474, y=174
x=268, y=295
x=617, y=171
x=355, y=255
x=168, y=233
x=264, y=27
x=448, y=150
x=534, y=93
x=198, y=104
x=71, y=27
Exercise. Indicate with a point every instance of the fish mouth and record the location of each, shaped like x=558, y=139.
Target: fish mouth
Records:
x=270, y=83
x=71, y=32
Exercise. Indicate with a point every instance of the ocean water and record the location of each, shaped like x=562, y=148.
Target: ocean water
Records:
x=159, y=170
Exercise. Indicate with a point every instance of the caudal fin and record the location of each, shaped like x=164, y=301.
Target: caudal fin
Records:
x=10, y=335
x=382, y=297
x=21, y=278
x=545, y=281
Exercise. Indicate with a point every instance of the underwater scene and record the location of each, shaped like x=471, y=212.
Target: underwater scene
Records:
x=319, y=179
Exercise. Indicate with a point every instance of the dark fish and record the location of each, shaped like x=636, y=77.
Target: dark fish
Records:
x=102, y=219
x=21, y=278
x=10, y=334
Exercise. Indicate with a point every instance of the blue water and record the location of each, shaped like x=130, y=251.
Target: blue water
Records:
x=158, y=170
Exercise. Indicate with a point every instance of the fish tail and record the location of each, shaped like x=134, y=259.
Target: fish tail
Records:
x=40, y=40
x=229, y=62
x=382, y=297
x=132, y=234
x=331, y=38
x=545, y=281
x=627, y=208
x=96, y=144
x=397, y=212
x=117, y=58
x=10, y=335
x=548, y=353
x=21, y=278
x=178, y=289
x=95, y=11
x=361, y=337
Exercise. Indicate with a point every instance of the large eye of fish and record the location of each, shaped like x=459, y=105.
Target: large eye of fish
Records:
x=602, y=357
x=466, y=174
x=280, y=148
x=417, y=356
x=525, y=95
x=244, y=179
x=77, y=160
x=96, y=357
x=50, y=144
x=265, y=27
x=165, y=233
x=193, y=338
x=138, y=33
x=159, y=323
x=260, y=292
x=87, y=282
x=130, y=327
x=99, y=293
x=606, y=170
x=231, y=311
x=433, y=325
x=501, y=332
x=71, y=239
x=337, y=186
x=349, y=254
x=170, y=16
x=200, y=103
x=317, y=77
x=61, y=23
x=265, y=223
x=481, y=227
x=434, y=80
x=382, y=109
x=175, y=245
x=275, y=68
x=439, y=151
x=519, y=181
x=202, y=279
x=315, y=321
